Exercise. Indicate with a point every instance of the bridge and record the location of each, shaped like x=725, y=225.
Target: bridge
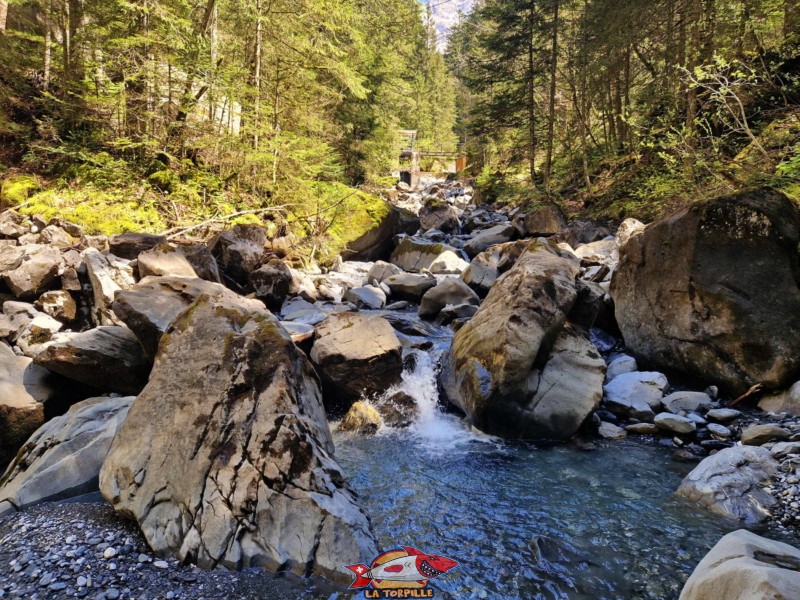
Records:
x=412, y=158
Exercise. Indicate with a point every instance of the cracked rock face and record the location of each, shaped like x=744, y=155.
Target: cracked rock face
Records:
x=241, y=473
x=517, y=368
x=712, y=292
x=730, y=483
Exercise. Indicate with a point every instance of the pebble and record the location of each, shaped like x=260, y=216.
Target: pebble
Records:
x=160, y=564
x=109, y=553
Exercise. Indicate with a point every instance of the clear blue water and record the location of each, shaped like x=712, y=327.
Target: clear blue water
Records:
x=527, y=522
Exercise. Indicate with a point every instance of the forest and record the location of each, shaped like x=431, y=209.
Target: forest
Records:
x=153, y=115
x=626, y=108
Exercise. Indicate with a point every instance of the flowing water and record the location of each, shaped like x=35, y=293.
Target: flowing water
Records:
x=527, y=522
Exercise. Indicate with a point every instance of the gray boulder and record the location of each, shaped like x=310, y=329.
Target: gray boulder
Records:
x=62, y=459
x=31, y=270
x=757, y=435
x=450, y=292
x=131, y=245
x=415, y=254
x=692, y=292
x=357, y=356
x=687, y=402
x=730, y=483
x=674, y=424
x=239, y=252
x=59, y=305
x=241, y=474
x=165, y=259
x=544, y=220
x=482, y=240
x=439, y=215
x=408, y=286
x=514, y=368
x=487, y=266
x=636, y=394
x=272, y=283
x=24, y=390
x=108, y=274
x=367, y=296
x=621, y=365
x=150, y=307
x=381, y=271
x=787, y=401
x=745, y=566
x=202, y=261
x=108, y=358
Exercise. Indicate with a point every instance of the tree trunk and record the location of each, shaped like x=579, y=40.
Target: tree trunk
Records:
x=3, y=15
x=531, y=93
x=48, y=41
x=695, y=15
x=257, y=77
x=551, y=118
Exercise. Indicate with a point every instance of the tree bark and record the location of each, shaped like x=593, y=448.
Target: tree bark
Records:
x=3, y=15
x=531, y=91
x=551, y=118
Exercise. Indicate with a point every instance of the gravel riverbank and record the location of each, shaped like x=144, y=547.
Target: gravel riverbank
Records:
x=83, y=550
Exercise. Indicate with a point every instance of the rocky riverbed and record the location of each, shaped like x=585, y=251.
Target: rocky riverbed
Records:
x=196, y=383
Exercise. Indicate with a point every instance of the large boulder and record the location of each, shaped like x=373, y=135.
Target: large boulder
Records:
x=487, y=266
x=131, y=245
x=151, y=306
x=376, y=241
x=241, y=474
x=545, y=220
x=485, y=238
x=24, y=390
x=108, y=274
x=730, y=482
x=239, y=252
x=165, y=259
x=62, y=459
x=439, y=215
x=637, y=394
x=415, y=254
x=787, y=401
x=357, y=356
x=272, y=282
x=108, y=358
x=514, y=368
x=202, y=261
x=33, y=269
x=450, y=292
x=745, y=566
x=409, y=286
x=59, y=305
x=713, y=292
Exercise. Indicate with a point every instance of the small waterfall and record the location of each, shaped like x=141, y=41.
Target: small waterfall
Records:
x=433, y=428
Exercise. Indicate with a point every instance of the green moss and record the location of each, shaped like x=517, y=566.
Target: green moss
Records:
x=16, y=189
x=350, y=214
x=99, y=212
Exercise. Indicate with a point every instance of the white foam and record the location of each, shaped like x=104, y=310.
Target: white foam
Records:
x=434, y=429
